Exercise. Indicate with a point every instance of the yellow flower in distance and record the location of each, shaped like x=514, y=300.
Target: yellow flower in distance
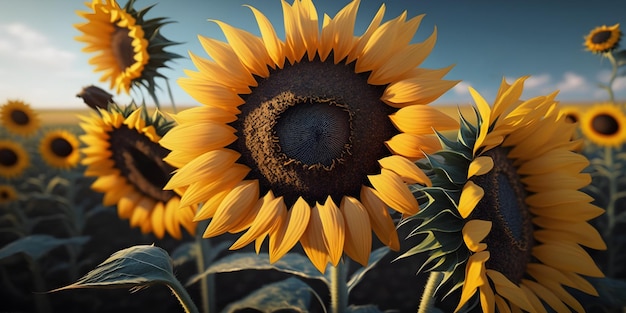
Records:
x=603, y=38
x=130, y=49
x=292, y=135
x=505, y=219
x=123, y=153
x=14, y=159
x=7, y=194
x=19, y=118
x=604, y=124
x=60, y=149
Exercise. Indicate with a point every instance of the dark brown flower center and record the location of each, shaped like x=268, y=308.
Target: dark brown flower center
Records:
x=605, y=124
x=61, y=147
x=20, y=117
x=140, y=161
x=571, y=118
x=95, y=97
x=313, y=129
x=601, y=36
x=510, y=240
x=122, y=47
x=4, y=195
x=8, y=157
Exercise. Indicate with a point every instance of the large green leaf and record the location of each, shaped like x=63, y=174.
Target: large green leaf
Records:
x=292, y=263
x=358, y=275
x=36, y=246
x=134, y=267
x=290, y=294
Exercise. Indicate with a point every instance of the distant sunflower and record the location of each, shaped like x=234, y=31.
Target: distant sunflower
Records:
x=60, y=149
x=604, y=125
x=292, y=135
x=603, y=38
x=130, y=49
x=505, y=219
x=13, y=159
x=7, y=194
x=572, y=113
x=123, y=152
x=19, y=118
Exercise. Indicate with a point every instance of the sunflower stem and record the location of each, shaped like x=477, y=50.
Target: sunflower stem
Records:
x=609, y=87
x=610, y=206
x=339, y=287
x=169, y=93
x=183, y=297
x=207, y=282
x=427, y=303
x=41, y=299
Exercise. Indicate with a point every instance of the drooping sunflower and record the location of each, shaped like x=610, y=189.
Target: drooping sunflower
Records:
x=292, y=135
x=603, y=38
x=19, y=118
x=505, y=220
x=7, y=194
x=604, y=124
x=14, y=159
x=59, y=148
x=123, y=152
x=130, y=49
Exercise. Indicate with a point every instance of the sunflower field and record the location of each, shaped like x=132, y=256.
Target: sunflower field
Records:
x=312, y=176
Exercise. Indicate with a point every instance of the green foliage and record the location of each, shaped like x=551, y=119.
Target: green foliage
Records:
x=36, y=246
x=290, y=294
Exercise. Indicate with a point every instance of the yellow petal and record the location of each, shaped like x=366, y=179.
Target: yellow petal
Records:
x=203, y=190
x=313, y=241
x=209, y=207
x=553, y=160
x=271, y=211
x=291, y=231
x=172, y=220
x=556, y=197
x=271, y=42
x=233, y=208
x=546, y=295
x=410, y=173
x=480, y=166
x=156, y=218
x=204, y=114
x=358, y=244
x=487, y=299
x=415, y=90
x=505, y=288
x=470, y=196
x=249, y=48
x=334, y=229
x=394, y=192
x=224, y=55
x=567, y=257
x=474, y=232
x=557, y=230
x=532, y=298
x=338, y=33
x=200, y=138
x=209, y=165
x=211, y=94
x=422, y=119
x=413, y=146
x=126, y=205
x=362, y=41
x=474, y=277
x=485, y=114
x=380, y=220
x=568, y=212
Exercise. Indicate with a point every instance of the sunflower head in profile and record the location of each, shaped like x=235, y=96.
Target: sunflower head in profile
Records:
x=504, y=220
x=14, y=159
x=309, y=139
x=604, y=125
x=95, y=97
x=59, y=148
x=8, y=194
x=603, y=39
x=130, y=49
x=122, y=152
x=19, y=118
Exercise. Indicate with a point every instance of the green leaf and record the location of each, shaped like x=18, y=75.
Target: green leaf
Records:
x=36, y=246
x=363, y=309
x=134, y=267
x=292, y=263
x=611, y=292
x=358, y=275
x=290, y=294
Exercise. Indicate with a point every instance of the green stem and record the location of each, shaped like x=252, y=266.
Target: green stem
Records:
x=339, y=287
x=609, y=55
x=427, y=302
x=183, y=297
x=169, y=92
x=207, y=282
x=41, y=299
x=610, y=206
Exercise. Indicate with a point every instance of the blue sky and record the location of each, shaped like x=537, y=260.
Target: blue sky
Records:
x=41, y=63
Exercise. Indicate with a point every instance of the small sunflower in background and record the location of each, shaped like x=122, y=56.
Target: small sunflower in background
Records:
x=14, y=159
x=8, y=194
x=60, y=149
x=572, y=113
x=505, y=220
x=292, y=135
x=122, y=152
x=603, y=39
x=19, y=118
x=604, y=125
x=130, y=49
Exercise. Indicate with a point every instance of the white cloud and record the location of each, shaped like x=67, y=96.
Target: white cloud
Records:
x=22, y=46
x=573, y=82
x=538, y=81
x=461, y=88
x=619, y=84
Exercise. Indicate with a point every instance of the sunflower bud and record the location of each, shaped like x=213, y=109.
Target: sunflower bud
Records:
x=95, y=97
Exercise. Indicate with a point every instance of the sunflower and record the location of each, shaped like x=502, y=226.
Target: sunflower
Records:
x=95, y=97
x=7, y=194
x=19, y=118
x=572, y=113
x=603, y=38
x=292, y=135
x=123, y=152
x=130, y=49
x=13, y=159
x=60, y=149
x=604, y=124
x=504, y=219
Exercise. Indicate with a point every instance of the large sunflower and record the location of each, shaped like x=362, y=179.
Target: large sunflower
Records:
x=130, y=49
x=60, y=148
x=14, y=159
x=19, y=118
x=123, y=152
x=293, y=134
x=504, y=219
x=604, y=125
x=603, y=38
x=7, y=194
